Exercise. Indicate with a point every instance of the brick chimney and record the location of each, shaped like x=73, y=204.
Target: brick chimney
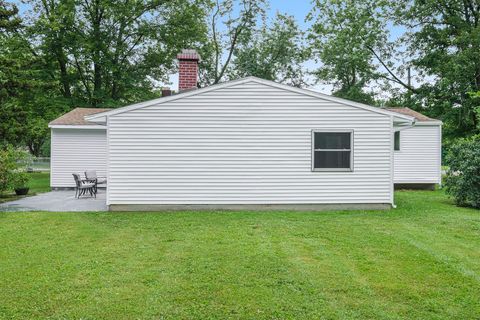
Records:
x=166, y=92
x=188, y=69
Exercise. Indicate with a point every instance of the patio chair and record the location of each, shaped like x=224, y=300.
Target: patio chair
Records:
x=91, y=175
x=83, y=186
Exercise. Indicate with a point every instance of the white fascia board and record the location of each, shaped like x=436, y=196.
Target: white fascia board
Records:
x=401, y=128
x=402, y=122
x=429, y=123
x=65, y=126
x=100, y=117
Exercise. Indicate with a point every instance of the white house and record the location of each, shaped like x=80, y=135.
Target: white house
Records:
x=249, y=144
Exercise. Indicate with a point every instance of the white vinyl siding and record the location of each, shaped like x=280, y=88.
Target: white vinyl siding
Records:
x=75, y=151
x=245, y=144
x=419, y=157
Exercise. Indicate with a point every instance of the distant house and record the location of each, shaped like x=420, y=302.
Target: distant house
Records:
x=249, y=144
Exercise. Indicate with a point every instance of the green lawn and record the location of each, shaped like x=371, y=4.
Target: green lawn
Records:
x=39, y=182
x=420, y=261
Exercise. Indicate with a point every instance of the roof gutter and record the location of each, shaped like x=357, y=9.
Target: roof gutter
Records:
x=430, y=123
x=401, y=128
x=77, y=126
x=403, y=119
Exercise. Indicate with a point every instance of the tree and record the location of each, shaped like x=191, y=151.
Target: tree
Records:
x=440, y=44
x=108, y=53
x=476, y=97
x=275, y=53
x=352, y=42
x=342, y=36
x=26, y=86
x=230, y=22
x=444, y=41
x=71, y=53
x=9, y=21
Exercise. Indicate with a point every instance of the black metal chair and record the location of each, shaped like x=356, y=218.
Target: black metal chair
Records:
x=91, y=176
x=83, y=186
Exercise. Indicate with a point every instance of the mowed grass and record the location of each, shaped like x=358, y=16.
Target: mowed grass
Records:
x=420, y=261
x=39, y=182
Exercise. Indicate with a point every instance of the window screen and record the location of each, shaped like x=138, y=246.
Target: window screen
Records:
x=332, y=151
x=396, y=142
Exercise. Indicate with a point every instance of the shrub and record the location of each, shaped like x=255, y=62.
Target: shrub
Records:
x=463, y=177
x=19, y=180
x=13, y=163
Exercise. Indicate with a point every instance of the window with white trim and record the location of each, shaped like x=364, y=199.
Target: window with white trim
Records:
x=396, y=141
x=332, y=150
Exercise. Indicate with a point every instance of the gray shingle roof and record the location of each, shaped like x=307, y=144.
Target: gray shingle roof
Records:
x=412, y=113
x=76, y=116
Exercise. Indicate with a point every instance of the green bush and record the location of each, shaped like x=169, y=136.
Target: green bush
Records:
x=19, y=180
x=463, y=177
x=13, y=164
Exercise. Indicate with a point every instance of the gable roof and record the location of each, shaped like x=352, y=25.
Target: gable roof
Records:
x=76, y=117
x=409, y=112
x=100, y=117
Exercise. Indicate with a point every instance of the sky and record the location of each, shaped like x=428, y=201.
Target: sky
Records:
x=298, y=8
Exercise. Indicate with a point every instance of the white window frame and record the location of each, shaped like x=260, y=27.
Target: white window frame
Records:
x=351, y=131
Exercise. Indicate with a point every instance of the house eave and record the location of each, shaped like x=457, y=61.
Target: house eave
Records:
x=73, y=126
x=429, y=123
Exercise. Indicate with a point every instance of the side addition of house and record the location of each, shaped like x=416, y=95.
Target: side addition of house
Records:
x=418, y=152
x=77, y=145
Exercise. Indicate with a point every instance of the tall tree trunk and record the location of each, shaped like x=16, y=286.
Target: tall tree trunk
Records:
x=57, y=48
x=97, y=63
x=97, y=83
x=115, y=73
x=64, y=79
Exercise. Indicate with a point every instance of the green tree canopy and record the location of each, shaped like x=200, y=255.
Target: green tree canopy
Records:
x=444, y=43
x=275, y=52
x=343, y=36
x=26, y=86
x=108, y=53
x=440, y=44
x=229, y=23
x=69, y=53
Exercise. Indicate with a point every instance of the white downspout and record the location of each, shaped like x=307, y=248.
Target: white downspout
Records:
x=107, y=198
x=392, y=156
x=392, y=163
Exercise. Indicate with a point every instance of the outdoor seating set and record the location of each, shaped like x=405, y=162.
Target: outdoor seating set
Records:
x=89, y=184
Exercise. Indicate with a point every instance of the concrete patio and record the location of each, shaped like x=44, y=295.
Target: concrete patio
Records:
x=58, y=201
